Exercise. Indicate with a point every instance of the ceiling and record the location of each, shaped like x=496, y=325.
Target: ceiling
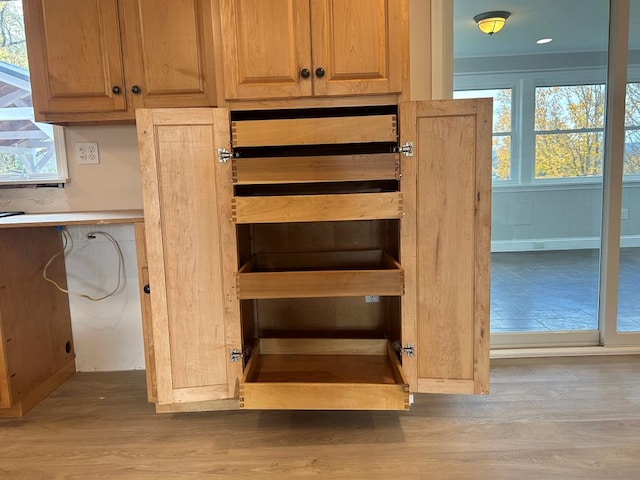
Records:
x=574, y=25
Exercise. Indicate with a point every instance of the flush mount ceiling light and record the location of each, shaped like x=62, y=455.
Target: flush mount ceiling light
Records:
x=491, y=22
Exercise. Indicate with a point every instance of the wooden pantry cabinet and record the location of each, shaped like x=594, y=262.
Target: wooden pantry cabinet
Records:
x=98, y=60
x=304, y=48
x=296, y=264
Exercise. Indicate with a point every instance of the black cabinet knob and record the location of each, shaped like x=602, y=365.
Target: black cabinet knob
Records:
x=135, y=89
x=116, y=89
x=146, y=289
x=320, y=72
x=305, y=73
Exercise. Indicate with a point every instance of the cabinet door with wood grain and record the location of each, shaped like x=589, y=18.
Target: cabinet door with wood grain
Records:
x=359, y=46
x=446, y=246
x=191, y=253
x=75, y=59
x=267, y=48
x=168, y=51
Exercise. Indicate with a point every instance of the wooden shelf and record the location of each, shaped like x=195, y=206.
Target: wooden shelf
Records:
x=310, y=169
x=316, y=208
x=327, y=374
x=320, y=274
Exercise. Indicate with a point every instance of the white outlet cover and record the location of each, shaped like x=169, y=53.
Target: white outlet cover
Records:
x=87, y=153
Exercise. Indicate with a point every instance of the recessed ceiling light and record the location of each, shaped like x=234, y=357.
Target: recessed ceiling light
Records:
x=542, y=41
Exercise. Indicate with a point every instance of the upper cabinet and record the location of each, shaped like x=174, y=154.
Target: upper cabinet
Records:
x=302, y=48
x=98, y=60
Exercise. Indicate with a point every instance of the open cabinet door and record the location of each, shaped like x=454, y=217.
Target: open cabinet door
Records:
x=192, y=255
x=446, y=244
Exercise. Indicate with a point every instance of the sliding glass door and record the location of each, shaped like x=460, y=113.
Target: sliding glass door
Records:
x=551, y=196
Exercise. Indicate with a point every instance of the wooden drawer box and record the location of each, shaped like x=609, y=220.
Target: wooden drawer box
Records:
x=324, y=374
x=320, y=274
x=317, y=208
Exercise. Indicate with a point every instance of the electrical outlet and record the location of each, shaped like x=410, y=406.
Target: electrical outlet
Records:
x=624, y=214
x=87, y=153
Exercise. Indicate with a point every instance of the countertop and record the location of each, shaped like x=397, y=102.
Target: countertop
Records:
x=72, y=218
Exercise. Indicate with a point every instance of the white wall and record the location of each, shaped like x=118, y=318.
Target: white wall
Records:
x=546, y=218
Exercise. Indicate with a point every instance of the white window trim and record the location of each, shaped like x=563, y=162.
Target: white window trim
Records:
x=523, y=85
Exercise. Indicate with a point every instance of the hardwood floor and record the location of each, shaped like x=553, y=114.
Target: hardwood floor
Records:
x=559, y=418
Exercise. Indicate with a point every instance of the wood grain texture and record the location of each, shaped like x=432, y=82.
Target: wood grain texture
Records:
x=337, y=168
x=35, y=323
x=145, y=310
x=452, y=238
x=80, y=52
x=176, y=154
x=253, y=71
x=329, y=378
x=362, y=45
x=168, y=52
x=319, y=208
x=314, y=131
x=554, y=419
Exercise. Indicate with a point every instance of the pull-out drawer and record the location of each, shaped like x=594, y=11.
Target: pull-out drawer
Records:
x=320, y=274
x=316, y=208
x=324, y=374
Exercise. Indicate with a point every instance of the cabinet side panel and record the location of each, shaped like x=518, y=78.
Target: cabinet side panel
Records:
x=446, y=247
x=36, y=323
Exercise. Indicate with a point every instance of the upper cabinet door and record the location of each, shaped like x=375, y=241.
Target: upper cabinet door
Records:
x=74, y=56
x=446, y=244
x=267, y=48
x=358, y=46
x=192, y=253
x=168, y=50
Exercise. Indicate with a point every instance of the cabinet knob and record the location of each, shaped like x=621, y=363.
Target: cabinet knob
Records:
x=305, y=73
x=135, y=89
x=146, y=289
x=115, y=89
x=320, y=72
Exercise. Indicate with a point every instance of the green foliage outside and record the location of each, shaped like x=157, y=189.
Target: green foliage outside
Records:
x=13, y=46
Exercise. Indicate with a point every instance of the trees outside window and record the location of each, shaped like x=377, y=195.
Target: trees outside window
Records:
x=566, y=131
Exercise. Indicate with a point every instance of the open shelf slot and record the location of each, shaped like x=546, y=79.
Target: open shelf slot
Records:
x=328, y=374
x=320, y=274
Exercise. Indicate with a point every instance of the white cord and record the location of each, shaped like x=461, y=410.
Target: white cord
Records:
x=68, y=241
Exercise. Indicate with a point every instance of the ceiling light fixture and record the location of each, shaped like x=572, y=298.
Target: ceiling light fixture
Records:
x=542, y=41
x=491, y=22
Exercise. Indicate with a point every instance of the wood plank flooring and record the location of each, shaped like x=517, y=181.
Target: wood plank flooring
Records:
x=558, y=418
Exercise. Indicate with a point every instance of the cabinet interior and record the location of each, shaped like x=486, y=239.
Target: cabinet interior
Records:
x=319, y=277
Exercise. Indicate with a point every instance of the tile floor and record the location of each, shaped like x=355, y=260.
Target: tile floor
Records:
x=558, y=290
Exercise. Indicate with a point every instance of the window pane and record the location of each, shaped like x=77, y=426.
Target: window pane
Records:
x=27, y=151
x=501, y=157
x=570, y=107
x=501, y=105
x=632, y=152
x=566, y=155
x=628, y=320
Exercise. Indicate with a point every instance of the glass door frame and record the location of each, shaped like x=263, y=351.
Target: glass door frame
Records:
x=614, y=139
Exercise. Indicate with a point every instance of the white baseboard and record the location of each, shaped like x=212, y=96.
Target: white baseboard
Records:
x=574, y=243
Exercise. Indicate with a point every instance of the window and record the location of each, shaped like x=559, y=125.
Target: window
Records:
x=28, y=152
x=501, y=154
x=569, y=136
x=632, y=131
